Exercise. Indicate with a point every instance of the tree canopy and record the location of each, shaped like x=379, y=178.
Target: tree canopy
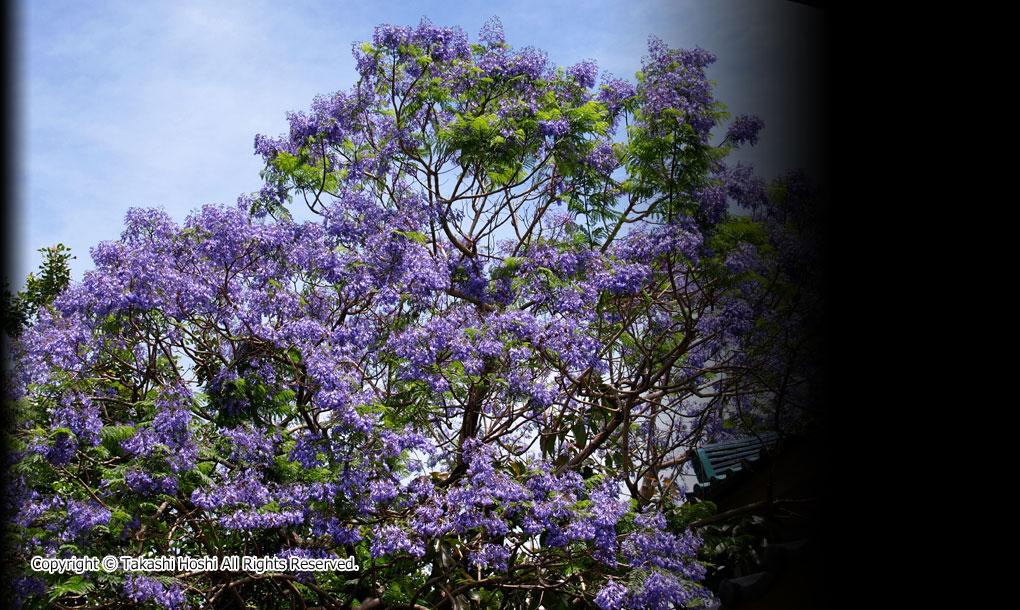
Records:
x=527, y=293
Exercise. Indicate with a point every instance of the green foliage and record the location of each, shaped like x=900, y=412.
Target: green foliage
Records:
x=18, y=310
x=75, y=585
x=736, y=545
x=682, y=515
x=113, y=436
x=306, y=171
x=737, y=229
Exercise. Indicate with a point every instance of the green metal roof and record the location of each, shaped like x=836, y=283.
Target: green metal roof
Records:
x=717, y=462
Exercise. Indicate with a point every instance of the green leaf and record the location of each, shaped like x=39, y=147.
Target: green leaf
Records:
x=112, y=436
x=413, y=236
x=76, y=585
x=581, y=433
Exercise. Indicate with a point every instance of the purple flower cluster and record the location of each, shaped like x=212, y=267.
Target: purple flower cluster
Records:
x=444, y=44
x=745, y=128
x=62, y=449
x=614, y=93
x=30, y=505
x=253, y=446
x=80, y=415
x=306, y=450
x=676, y=90
x=492, y=32
x=82, y=517
x=390, y=540
x=491, y=556
x=554, y=128
x=140, y=588
x=744, y=187
x=241, y=487
x=743, y=258
x=25, y=587
x=145, y=483
x=669, y=574
x=712, y=202
x=611, y=596
x=584, y=74
x=603, y=159
x=168, y=436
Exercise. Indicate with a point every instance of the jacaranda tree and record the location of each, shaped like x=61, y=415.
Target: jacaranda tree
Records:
x=477, y=372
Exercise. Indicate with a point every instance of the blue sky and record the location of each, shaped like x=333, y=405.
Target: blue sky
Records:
x=122, y=104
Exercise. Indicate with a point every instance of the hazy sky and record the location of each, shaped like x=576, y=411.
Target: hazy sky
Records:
x=131, y=103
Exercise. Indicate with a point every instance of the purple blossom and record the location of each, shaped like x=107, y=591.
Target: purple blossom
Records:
x=492, y=32
x=62, y=450
x=443, y=44
x=390, y=540
x=82, y=517
x=26, y=587
x=252, y=445
x=246, y=520
x=243, y=487
x=382, y=490
x=712, y=201
x=745, y=128
x=307, y=449
x=584, y=73
x=656, y=547
x=554, y=128
x=146, y=484
x=611, y=596
x=743, y=258
x=676, y=90
x=614, y=93
x=603, y=159
x=140, y=588
x=662, y=591
x=490, y=556
x=744, y=187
